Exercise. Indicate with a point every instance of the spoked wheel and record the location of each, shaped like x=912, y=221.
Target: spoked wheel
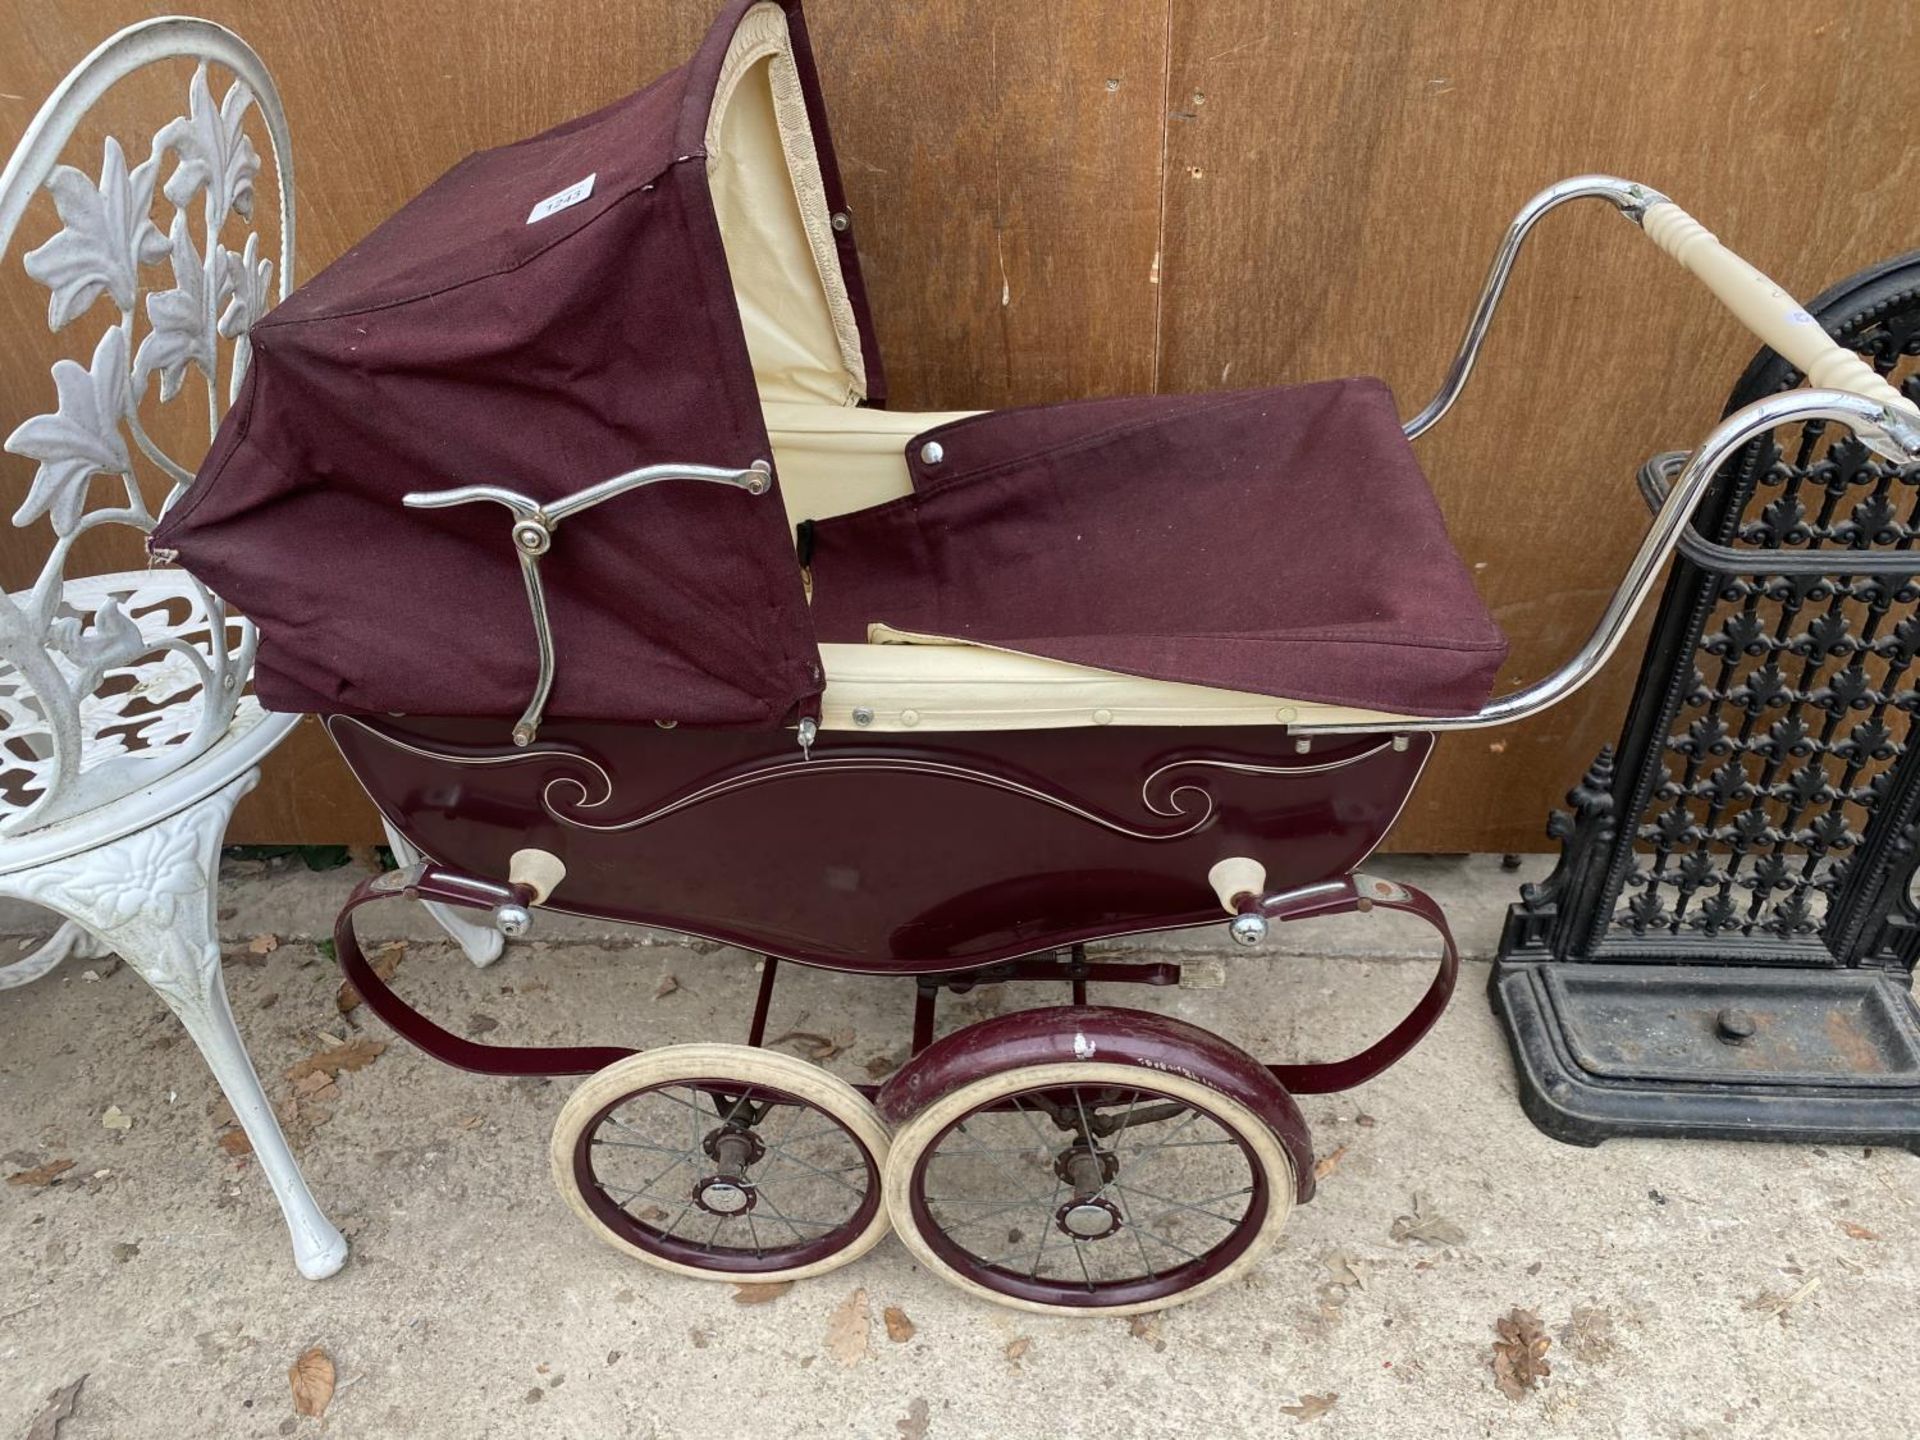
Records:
x=1075, y=1188
x=724, y=1162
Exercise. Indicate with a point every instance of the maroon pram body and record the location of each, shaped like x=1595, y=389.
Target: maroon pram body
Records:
x=946, y=695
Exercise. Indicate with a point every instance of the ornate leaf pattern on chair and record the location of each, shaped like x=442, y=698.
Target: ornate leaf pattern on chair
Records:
x=214, y=152
x=107, y=687
x=181, y=335
x=80, y=439
x=106, y=234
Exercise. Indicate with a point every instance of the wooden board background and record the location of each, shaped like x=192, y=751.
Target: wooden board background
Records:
x=1093, y=197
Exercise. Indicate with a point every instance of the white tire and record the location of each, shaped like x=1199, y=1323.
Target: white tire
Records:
x=1258, y=1143
x=746, y=1067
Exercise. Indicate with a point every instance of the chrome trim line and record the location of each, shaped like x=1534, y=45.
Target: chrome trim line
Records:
x=1405, y=800
x=514, y=758
x=803, y=767
x=1625, y=196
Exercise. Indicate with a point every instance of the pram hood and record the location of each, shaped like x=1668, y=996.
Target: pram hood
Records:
x=544, y=316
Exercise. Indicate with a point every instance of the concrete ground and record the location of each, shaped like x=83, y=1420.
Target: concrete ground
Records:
x=1686, y=1289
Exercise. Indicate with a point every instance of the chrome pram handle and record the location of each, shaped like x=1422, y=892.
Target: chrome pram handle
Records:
x=1847, y=389
x=532, y=534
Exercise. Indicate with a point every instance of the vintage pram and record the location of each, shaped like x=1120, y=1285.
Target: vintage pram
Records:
x=940, y=696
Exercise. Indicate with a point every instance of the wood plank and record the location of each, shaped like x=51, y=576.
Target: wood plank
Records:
x=1338, y=177
x=1003, y=160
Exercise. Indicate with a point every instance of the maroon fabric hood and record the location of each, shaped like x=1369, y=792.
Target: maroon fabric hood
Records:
x=461, y=343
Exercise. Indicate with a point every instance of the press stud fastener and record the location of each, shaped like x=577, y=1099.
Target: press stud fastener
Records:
x=862, y=716
x=1733, y=1026
x=1103, y=717
x=909, y=717
x=1286, y=714
x=842, y=221
x=932, y=453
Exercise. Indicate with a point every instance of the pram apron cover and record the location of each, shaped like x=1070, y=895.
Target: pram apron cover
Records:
x=669, y=280
x=1279, y=541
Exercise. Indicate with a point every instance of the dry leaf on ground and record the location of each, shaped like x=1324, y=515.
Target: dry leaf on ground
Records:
x=914, y=1426
x=668, y=984
x=386, y=960
x=313, y=1084
x=1520, y=1354
x=1426, y=1227
x=46, y=1425
x=311, y=1377
x=1327, y=1164
x=1770, y=1305
x=881, y=1066
x=355, y=1055
x=45, y=1174
x=235, y=1142
x=899, y=1327
x=847, y=1329
x=815, y=1046
x=116, y=1119
x=1857, y=1232
x=1016, y=1352
x=263, y=944
x=747, y=1294
x=1344, y=1269
x=1588, y=1335
x=1312, y=1407
x=1147, y=1328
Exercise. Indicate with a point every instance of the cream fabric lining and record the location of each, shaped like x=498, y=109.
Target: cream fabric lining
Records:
x=771, y=201
x=833, y=460
x=946, y=685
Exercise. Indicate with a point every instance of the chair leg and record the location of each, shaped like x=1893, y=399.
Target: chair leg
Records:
x=149, y=897
x=69, y=939
x=481, y=942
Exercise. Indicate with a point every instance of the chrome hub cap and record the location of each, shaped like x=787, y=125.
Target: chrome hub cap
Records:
x=1089, y=1219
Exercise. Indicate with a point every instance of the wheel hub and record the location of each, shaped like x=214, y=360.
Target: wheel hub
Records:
x=725, y=1195
x=1093, y=1219
x=1089, y=1215
x=733, y=1147
x=730, y=1192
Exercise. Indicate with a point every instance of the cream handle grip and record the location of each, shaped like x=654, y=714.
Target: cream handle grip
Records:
x=1768, y=311
x=539, y=870
x=1236, y=876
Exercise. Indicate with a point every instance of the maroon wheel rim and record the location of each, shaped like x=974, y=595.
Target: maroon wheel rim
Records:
x=1087, y=1293
x=686, y=1250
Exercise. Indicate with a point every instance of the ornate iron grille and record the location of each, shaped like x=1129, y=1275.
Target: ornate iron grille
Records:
x=1764, y=773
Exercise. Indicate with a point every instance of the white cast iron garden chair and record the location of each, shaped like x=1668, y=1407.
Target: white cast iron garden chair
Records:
x=127, y=730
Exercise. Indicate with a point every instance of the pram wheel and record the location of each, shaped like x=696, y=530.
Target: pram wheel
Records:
x=1077, y=1187
x=724, y=1162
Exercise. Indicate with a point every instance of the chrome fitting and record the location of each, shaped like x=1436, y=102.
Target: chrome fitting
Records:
x=512, y=921
x=1248, y=929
